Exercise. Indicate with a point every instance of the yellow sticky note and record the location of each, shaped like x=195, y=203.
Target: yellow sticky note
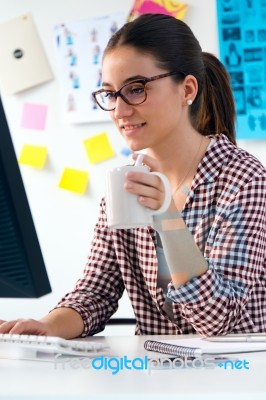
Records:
x=98, y=148
x=35, y=156
x=74, y=180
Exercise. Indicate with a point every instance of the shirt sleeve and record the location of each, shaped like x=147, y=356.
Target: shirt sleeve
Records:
x=96, y=294
x=215, y=302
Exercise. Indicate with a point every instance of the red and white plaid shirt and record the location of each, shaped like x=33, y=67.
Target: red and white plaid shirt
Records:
x=225, y=211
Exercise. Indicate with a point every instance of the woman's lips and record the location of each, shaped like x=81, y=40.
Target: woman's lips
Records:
x=132, y=128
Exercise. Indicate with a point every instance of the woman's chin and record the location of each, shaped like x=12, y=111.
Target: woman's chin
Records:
x=135, y=146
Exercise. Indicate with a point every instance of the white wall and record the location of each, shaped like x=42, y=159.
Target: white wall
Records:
x=65, y=221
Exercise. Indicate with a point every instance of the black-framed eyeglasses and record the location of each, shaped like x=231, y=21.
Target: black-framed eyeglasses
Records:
x=133, y=93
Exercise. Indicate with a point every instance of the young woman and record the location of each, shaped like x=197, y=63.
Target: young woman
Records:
x=201, y=268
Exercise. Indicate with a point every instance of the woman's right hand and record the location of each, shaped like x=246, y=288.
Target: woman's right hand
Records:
x=25, y=326
x=62, y=322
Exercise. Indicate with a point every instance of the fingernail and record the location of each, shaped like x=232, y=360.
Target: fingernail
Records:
x=128, y=185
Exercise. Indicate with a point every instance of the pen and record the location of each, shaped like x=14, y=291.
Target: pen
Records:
x=237, y=338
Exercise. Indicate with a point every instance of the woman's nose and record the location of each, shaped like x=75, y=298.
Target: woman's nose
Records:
x=122, y=109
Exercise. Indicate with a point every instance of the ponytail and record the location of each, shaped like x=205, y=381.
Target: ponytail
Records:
x=215, y=107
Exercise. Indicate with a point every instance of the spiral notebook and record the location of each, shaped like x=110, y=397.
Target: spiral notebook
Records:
x=198, y=347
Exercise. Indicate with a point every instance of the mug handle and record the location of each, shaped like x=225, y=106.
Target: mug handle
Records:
x=167, y=194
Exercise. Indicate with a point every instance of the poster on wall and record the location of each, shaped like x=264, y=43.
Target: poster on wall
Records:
x=79, y=48
x=174, y=8
x=242, y=40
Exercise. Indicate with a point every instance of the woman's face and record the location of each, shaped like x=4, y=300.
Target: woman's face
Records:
x=154, y=122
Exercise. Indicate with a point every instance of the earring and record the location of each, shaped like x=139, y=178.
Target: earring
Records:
x=189, y=102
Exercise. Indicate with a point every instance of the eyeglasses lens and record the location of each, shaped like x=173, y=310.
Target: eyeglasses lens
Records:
x=132, y=93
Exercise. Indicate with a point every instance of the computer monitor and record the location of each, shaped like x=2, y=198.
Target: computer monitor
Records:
x=22, y=268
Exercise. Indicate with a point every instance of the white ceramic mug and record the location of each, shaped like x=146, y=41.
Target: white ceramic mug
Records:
x=123, y=209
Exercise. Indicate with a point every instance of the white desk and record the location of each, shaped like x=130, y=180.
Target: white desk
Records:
x=47, y=380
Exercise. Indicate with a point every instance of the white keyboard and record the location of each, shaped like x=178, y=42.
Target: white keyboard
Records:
x=51, y=344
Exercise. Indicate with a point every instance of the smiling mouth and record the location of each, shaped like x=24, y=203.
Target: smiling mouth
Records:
x=129, y=127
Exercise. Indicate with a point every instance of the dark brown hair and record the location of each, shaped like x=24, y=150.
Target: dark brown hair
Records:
x=175, y=48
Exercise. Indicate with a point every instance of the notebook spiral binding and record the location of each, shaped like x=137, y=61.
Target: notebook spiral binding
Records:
x=170, y=349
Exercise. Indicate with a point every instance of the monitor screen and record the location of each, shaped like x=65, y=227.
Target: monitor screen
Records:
x=22, y=268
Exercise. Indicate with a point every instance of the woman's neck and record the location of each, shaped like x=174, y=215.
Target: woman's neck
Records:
x=181, y=165
x=179, y=160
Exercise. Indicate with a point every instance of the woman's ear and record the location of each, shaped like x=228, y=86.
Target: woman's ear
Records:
x=190, y=89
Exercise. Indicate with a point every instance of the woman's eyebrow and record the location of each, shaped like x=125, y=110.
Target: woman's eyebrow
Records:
x=128, y=80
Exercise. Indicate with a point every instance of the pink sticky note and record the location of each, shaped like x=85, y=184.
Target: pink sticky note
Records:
x=34, y=116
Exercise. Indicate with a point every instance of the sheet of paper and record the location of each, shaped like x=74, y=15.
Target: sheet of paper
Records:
x=79, y=49
x=34, y=156
x=74, y=180
x=98, y=148
x=34, y=116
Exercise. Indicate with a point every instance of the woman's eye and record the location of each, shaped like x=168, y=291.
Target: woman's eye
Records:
x=137, y=90
x=109, y=95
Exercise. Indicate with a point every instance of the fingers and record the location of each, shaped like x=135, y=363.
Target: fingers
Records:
x=6, y=326
x=149, y=161
x=144, y=179
x=152, y=203
x=22, y=326
x=147, y=187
